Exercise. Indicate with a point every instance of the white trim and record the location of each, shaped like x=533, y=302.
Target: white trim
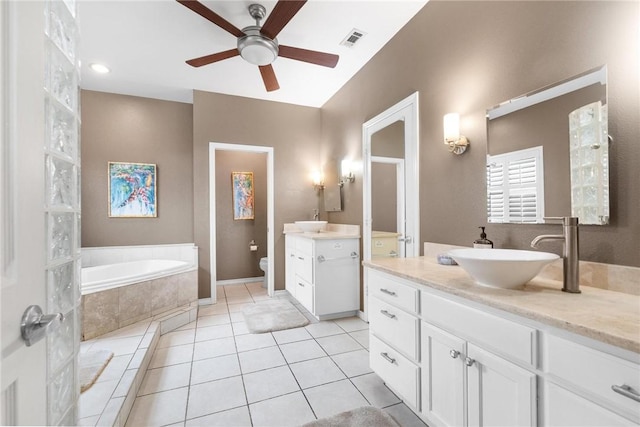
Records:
x=205, y=301
x=213, y=146
x=575, y=83
x=406, y=111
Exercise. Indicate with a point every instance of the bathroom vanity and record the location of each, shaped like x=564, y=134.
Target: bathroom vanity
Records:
x=323, y=270
x=462, y=354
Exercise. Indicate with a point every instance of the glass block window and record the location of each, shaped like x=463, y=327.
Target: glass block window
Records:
x=61, y=88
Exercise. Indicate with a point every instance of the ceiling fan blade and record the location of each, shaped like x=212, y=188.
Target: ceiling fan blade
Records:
x=209, y=14
x=280, y=16
x=269, y=78
x=311, y=56
x=209, y=59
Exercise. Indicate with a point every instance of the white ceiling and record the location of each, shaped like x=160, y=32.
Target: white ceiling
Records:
x=146, y=43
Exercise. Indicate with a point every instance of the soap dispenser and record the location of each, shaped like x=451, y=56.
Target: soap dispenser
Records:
x=483, y=242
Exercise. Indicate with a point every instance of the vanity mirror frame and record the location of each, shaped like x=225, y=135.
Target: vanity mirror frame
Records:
x=407, y=112
x=550, y=92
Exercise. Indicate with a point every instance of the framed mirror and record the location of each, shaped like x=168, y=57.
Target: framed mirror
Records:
x=548, y=153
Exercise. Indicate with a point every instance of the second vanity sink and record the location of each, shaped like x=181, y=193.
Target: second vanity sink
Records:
x=311, y=226
x=502, y=268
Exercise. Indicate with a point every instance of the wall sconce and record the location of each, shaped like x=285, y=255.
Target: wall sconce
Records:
x=318, y=180
x=456, y=142
x=346, y=172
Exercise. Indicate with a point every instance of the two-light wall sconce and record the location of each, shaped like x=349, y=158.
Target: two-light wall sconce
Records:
x=346, y=174
x=457, y=143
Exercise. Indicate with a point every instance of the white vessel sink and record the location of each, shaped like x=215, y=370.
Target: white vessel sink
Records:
x=311, y=226
x=502, y=268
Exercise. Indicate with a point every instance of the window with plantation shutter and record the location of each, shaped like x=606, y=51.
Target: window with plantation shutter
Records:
x=515, y=186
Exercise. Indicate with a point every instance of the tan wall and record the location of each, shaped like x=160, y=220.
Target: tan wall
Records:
x=131, y=129
x=233, y=258
x=293, y=131
x=469, y=56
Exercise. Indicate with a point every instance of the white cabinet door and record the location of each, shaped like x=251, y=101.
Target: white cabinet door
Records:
x=442, y=376
x=499, y=393
x=565, y=408
x=290, y=268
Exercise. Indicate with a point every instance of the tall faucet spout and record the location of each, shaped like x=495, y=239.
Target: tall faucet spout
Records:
x=570, y=257
x=540, y=238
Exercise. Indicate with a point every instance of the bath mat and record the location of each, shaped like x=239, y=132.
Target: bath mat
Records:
x=91, y=364
x=273, y=315
x=366, y=416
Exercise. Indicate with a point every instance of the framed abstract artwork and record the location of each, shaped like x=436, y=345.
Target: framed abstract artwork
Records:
x=132, y=190
x=242, y=189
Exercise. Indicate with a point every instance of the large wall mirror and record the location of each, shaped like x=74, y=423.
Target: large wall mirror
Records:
x=391, y=206
x=548, y=153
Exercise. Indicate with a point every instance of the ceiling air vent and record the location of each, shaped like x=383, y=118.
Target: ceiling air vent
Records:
x=353, y=37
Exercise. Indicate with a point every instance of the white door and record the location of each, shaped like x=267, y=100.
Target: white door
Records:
x=499, y=393
x=39, y=209
x=442, y=376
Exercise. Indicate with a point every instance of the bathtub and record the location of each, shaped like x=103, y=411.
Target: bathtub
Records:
x=117, y=293
x=103, y=277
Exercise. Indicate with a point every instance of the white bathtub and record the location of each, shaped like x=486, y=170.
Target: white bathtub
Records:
x=103, y=277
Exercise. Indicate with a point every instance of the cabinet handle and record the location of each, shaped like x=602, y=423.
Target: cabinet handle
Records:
x=387, y=358
x=300, y=284
x=301, y=258
x=626, y=391
x=454, y=354
x=389, y=315
x=469, y=361
x=388, y=292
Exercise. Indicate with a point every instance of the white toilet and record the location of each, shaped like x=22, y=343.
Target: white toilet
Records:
x=264, y=263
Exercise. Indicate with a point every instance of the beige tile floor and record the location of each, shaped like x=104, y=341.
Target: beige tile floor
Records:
x=212, y=372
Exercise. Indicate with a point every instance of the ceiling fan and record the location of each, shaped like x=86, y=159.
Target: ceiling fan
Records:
x=258, y=44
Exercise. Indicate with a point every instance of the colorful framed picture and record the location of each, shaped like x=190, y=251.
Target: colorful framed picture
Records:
x=132, y=190
x=242, y=188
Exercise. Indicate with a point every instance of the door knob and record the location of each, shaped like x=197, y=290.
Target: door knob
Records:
x=469, y=361
x=35, y=325
x=454, y=354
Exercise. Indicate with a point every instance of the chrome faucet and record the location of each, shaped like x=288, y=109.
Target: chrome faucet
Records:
x=570, y=258
x=316, y=215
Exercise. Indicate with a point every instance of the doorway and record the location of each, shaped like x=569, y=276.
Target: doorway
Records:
x=213, y=223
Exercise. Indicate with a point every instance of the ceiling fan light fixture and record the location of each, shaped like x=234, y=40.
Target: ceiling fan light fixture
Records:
x=256, y=48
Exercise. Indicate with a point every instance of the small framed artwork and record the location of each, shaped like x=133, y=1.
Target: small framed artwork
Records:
x=132, y=190
x=242, y=189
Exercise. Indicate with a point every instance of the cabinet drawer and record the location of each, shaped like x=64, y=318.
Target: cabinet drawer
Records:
x=500, y=335
x=564, y=408
x=592, y=371
x=392, y=290
x=304, y=266
x=394, y=326
x=304, y=293
x=304, y=245
x=398, y=372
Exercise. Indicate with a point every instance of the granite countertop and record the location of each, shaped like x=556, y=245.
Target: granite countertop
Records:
x=607, y=316
x=332, y=231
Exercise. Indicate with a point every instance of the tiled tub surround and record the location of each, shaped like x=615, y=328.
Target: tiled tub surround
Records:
x=109, y=401
x=120, y=306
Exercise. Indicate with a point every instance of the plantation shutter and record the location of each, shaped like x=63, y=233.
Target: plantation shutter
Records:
x=515, y=186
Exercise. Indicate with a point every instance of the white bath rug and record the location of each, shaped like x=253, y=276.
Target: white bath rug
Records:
x=366, y=416
x=91, y=364
x=273, y=315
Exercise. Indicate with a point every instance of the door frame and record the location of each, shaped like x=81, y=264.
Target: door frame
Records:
x=213, y=147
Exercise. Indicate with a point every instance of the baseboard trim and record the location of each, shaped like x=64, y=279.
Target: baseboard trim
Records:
x=362, y=315
x=239, y=281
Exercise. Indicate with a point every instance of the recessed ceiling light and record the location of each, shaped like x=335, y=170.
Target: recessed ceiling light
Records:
x=99, y=68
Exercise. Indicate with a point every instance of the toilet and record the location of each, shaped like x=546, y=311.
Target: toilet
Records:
x=264, y=263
